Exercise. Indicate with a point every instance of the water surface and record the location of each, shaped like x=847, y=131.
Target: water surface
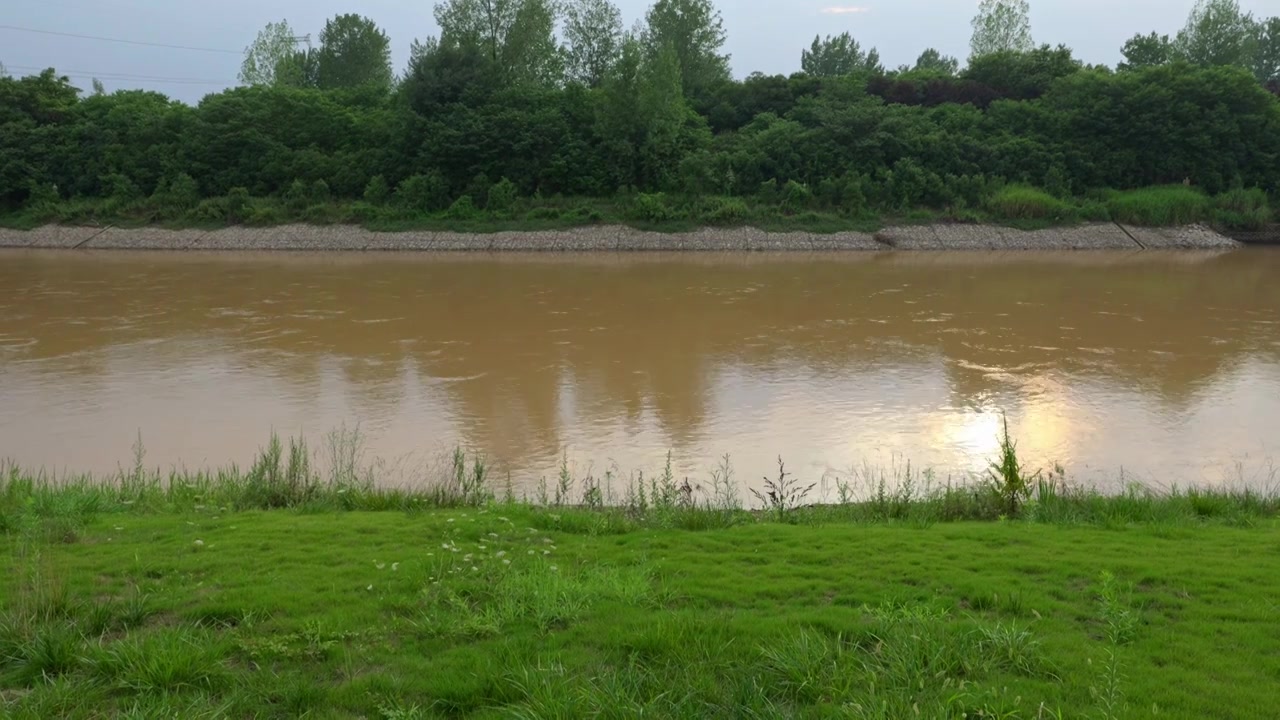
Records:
x=1163, y=366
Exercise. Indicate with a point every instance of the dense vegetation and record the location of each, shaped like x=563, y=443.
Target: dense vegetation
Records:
x=526, y=111
x=298, y=588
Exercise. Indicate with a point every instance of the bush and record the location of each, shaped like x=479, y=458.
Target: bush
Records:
x=42, y=194
x=319, y=192
x=1242, y=209
x=296, y=197
x=1022, y=202
x=377, y=192
x=179, y=192
x=264, y=215
x=502, y=196
x=462, y=209
x=428, y=192
x=724, y=211
x=796, y=197
x=120, y=188
x=213, y=210
x=1165, y=205
x=544, y=213
x=651, y=207
x=237, y=204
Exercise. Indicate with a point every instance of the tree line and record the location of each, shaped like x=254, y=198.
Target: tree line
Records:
x=528, y=102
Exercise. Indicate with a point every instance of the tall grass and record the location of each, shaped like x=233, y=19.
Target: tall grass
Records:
x=1242, y=209
x=1160, y=206
x=1023, y=202
x=289, y=475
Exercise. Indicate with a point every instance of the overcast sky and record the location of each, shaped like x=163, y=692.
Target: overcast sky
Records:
x=764, y=35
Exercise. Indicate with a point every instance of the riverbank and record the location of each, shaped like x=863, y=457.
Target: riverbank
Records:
x=130, y=600
x=619, y=238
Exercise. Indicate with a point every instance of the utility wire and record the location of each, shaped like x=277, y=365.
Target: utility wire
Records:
x=124, y=76
x=118, y=40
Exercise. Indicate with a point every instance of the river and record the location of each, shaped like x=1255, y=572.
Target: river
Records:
x=1159, y=368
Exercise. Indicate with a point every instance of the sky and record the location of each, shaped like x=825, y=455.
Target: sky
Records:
x=763, y=35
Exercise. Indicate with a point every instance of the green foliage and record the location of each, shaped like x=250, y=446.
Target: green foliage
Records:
x=1022, y=202
x=796, y=197
x=462, y=209
x=354, y=51
x=428, y=192
x=377, y=192
x=652, y=208
x=1001, y=26
x=1168, y=205
x=237, y=204
x=837, y=56
x=177, y=191
x=1241, y=208
x=723, y=211
x=502, y=196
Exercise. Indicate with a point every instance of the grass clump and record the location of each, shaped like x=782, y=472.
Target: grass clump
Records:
x=1242, y=209
x=1160, y=206
x=1023, y=202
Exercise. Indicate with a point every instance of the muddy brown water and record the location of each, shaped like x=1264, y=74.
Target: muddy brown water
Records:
x=1161, y=368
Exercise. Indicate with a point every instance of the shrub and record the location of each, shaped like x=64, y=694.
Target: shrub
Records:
x=237, y=204
x=296, y=196
x=462, y=209
x=42, y=194
x=724, y=211
x=796, y=197
x=265, y=215
x=1165, y=205
x=544, y=213
x=651, y=207
x=179, y=192
x=502, y=196
x=427, y=192
x=377, y=192
x=1022, y=202
x=211, y=210
x=319, y=192
x=478, y=189
x=1240, y=208
x=120, y=188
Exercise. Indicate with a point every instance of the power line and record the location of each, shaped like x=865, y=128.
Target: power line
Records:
x=118, y=40
x=125, y=76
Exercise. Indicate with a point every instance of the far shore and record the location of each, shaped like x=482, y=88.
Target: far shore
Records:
x=619, y=238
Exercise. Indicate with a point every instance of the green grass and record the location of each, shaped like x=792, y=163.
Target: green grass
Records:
x=381, y=614
x=1160, y=206
x=1019, y=206
x=299, y=588
x=1021, y=202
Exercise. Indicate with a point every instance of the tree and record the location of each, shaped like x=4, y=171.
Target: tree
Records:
x=1144, y=51
x=272, y=47
x=694, y=32
x=837, y=56
x=933, y=61
x=1266, y=64
x=299, y=69
x=1001, y=25
x=516, y=35
x=98, y=89
x=1217, y=33
x=593, y=31
x=1022, y=75
x=441, y=74
x=353, y=52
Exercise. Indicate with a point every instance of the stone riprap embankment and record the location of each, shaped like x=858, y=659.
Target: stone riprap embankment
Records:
x=1096, y=236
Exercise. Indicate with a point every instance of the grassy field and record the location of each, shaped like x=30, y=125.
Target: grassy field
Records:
x=286, y=591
